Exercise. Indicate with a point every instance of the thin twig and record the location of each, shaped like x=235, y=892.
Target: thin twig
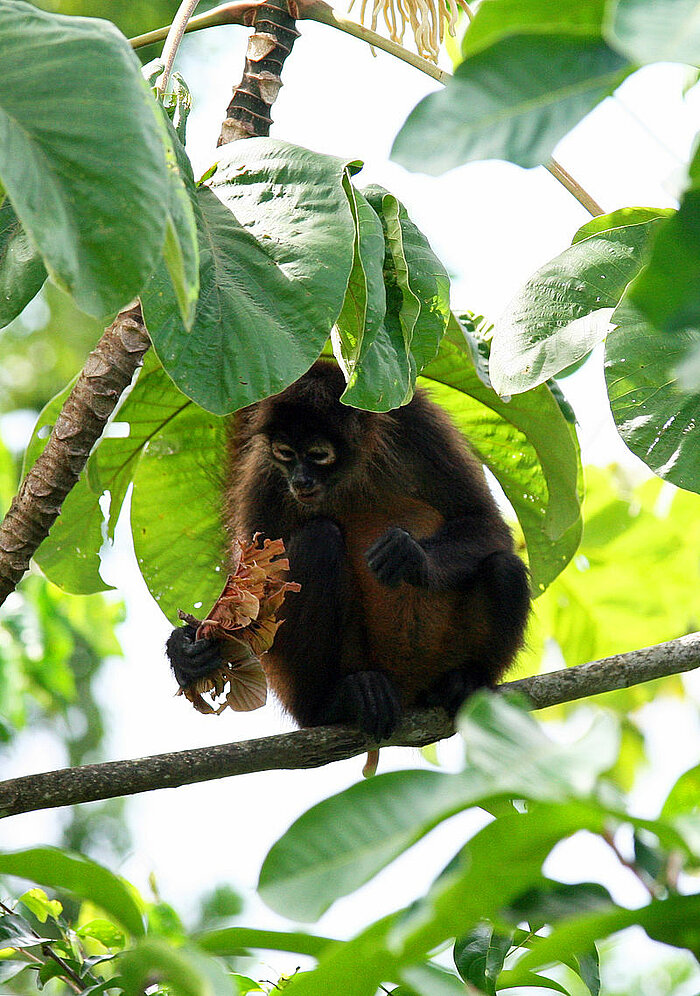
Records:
x=316, y=747
x=574, y=188
x=651, y=887
x=172, y=42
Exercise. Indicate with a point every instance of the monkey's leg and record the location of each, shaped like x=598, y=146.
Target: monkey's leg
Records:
x=322, y=642
x=503, y=579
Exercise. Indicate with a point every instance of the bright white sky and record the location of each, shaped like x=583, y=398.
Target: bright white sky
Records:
x=492, y=224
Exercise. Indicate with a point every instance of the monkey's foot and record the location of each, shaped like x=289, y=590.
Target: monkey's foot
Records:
x=397, y=557
x=367, y=699
x=451, y=689
x=191, y=659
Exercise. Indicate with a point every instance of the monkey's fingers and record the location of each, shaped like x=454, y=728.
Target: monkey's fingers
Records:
x=397, y=557
x=191, y=659
x=369, y=700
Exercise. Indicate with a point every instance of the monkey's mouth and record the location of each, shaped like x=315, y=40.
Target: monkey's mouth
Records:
x=309, y=495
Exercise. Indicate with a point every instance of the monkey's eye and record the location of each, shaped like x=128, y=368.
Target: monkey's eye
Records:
x=283, y=452
x=323, y=455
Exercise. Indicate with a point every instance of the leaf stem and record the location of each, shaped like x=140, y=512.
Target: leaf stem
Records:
x=172, y=42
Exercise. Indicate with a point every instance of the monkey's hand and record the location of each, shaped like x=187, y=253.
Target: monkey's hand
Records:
x=367, y=699
x=189, y=658
x=397, y=557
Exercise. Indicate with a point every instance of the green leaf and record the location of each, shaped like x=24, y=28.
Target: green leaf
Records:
x=589, y=970
x=417, y=310
x=552, y=901
x=622, y=218
x=684, y=797
x=474, y=892
x=343, y=841
x=361, y=342
x=235, y=940
x=185, y=971
x=674, y=921
x=564, y=309
x=512, y=101
x=479, y=956
x=80, y=876
x=180, y=251
x=275, y=258
x=40, y=905
x=507, y=743
x=431, y=980
x=662, y=31
x=176, y=509
x=529, y=447
x=103, y=931
x=81, y=156
x=667, y=291
x=22, y=272
x=492, y=22
x=654, y=415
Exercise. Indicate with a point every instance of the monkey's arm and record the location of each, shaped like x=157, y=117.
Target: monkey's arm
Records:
x=446, y=561
x=321, y=645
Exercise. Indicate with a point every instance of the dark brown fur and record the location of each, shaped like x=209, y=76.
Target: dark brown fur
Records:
x=434, y=641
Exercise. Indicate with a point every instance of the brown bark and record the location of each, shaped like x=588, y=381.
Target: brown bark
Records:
x=317, y=747
x=107, y=372
x=248, y=114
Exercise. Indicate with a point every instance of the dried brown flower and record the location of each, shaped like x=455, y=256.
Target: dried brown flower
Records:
x=244, y=619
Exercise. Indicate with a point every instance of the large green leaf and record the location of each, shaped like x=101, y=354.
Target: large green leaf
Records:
x=527, y=444
x=81, y=154
x=361, y=341
x=564, y=309
x=460, y=900
x=184, y=449
x=176, y=509
x=80, y=876
x=343, y=841
x=656, y=418
x=22, y=272
x=493, y=21
x=396, y=346
x=276, y=251
x=661, y=31
x=667, y=292
x=235, y=941
x=513, y=101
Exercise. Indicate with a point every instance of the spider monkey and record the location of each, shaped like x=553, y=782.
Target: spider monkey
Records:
x=411, y=594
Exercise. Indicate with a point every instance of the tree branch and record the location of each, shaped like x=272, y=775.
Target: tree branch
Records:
x=107, y=372
x=317, y=747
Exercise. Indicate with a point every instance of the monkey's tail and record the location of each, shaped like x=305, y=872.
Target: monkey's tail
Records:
x=371, y=763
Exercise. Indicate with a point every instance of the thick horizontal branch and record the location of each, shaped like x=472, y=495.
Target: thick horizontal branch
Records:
x=107, y=372
x=314, y=748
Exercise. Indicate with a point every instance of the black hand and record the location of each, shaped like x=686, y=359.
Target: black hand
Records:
x=397, y=557
x=189, y=658
x=367, y=699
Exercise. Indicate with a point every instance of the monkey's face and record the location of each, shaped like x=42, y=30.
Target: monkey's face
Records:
x=309, y=465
